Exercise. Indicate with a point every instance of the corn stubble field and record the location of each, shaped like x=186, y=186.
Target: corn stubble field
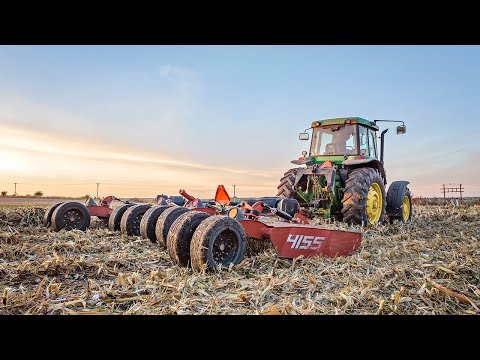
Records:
x=428, y=267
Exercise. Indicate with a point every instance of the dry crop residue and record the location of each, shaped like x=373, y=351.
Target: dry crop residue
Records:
x=431, y=266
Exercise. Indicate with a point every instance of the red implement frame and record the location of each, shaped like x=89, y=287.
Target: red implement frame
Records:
x=293, y=237
x=102, y=210
x=292, y=240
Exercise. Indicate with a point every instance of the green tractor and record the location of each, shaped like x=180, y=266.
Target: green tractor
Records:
x=343, y=175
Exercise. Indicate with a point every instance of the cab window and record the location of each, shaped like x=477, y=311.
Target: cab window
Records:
x=334, y=140
x=363, y=141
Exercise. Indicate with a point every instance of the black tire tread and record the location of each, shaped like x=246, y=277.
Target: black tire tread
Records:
x=400, y=218
x=285, y=189
x=165, y=221
x=128, y=219
x=180, y=236
x=149, y=220
x=116, y=217
x=355, y=195
x=47, y=217
x=202, y=236
x=66, y=206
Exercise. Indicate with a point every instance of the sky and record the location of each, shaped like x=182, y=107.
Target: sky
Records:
x=147, y=120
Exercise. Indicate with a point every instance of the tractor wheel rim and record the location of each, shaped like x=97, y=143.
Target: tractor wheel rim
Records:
x=406, y=208
x=374, y=203
x=224, y=248
x=136, y=224
x=72, y=219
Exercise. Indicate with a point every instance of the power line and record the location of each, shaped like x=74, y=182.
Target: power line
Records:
x=452, y=189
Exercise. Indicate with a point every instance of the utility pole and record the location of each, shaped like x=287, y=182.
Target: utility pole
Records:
x=15, y=192
x=234, y=197
x=98, y=184
x=452, y=189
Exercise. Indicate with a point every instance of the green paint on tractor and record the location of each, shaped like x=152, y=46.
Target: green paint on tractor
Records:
x=337, y=176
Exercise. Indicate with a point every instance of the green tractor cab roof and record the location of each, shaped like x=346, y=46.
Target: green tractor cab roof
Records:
x=346, y=120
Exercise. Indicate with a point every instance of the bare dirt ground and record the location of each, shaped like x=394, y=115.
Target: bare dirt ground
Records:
x=431, y=266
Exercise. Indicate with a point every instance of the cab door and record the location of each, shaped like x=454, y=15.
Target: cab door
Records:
x=372, y=144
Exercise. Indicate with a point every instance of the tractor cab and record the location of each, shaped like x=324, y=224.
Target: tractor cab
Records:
x=342, y=139
x=345, y=141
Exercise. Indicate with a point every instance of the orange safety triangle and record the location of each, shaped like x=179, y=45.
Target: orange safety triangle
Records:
x=221, y=196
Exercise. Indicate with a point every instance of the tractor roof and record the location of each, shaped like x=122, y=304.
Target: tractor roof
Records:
x=346, y=120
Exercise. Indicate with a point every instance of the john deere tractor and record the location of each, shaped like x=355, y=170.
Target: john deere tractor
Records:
x=343, y=175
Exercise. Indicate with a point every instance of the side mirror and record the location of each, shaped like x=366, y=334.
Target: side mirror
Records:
x=304, y=136
x=402, y=129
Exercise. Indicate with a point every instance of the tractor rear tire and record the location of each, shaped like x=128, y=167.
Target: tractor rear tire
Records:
x=218, y=240
x=130, y=223
x=71, y=215
x=180, y=236
x=116, y=217
x=165, y=221
x=149, y=220
x=360, y=183
x=285, y=189
x=47, y=217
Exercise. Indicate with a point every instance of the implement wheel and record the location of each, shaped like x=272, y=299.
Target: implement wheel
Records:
x=149, y=220
x=218, y=240
x=71, y=215
x=364, y=197
x=116, y=217
x=165, y=221
x=180, y=236
x=47, y=218
x=130, y=223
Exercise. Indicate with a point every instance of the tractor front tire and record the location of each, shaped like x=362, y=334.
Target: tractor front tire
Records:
x=364, y=197
x=403, y=201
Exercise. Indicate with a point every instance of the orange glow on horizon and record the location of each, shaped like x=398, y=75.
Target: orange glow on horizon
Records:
x=70, y=167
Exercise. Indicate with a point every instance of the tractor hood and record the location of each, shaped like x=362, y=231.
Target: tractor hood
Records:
x=310, y=160
x=303, y=161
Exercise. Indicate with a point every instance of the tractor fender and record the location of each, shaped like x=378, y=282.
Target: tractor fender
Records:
x=374, y=163
x=395, y=194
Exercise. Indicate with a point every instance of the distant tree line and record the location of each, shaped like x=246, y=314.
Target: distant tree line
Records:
x=38, y=193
